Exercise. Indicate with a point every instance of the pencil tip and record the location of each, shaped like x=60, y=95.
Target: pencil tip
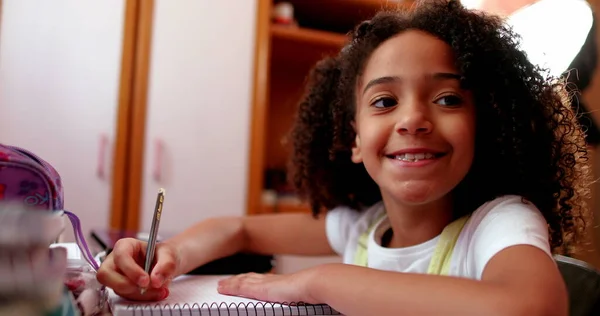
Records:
x=161, y=191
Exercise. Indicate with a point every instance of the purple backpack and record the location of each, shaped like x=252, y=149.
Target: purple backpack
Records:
x=26, y=178
x=29, y=179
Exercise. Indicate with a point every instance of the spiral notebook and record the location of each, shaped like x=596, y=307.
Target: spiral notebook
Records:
x=197, y=296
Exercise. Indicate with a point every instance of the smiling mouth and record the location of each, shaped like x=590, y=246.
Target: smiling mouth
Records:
x=414, y=157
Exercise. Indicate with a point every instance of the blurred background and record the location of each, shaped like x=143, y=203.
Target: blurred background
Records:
x=123, y=97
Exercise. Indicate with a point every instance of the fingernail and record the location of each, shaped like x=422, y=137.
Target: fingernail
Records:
x=164, y=293
x=143, y=281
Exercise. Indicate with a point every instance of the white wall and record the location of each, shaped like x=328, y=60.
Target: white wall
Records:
x=59, y=84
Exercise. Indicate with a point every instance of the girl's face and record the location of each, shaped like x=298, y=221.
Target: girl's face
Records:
x=415, y=126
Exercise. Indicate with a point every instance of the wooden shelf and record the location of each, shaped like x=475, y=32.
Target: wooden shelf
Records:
x=292, y=45
x=341, y=15
x=308, y=36
x=285, y=55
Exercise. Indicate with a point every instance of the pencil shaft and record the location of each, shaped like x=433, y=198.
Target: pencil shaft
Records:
x=154, y=231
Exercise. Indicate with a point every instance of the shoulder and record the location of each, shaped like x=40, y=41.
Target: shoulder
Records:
x=343, y=222
x=507, y=207
x=501, y=223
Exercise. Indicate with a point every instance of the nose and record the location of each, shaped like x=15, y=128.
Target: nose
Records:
x=414, y=119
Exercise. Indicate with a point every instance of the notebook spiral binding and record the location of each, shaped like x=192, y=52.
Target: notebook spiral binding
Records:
x=241, y=309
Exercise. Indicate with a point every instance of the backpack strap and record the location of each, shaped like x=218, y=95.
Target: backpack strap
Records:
x=440, y=262
x=80, y=240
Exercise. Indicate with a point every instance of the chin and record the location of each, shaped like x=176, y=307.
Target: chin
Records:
x=412, y=193
x=414, y=199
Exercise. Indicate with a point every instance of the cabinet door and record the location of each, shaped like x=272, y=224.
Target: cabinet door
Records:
x=198, y=105
x=59, y=85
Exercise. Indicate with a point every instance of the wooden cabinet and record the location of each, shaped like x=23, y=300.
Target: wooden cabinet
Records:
x=60, y=64
x=285, y=55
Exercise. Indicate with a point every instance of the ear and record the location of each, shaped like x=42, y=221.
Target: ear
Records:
x=356, y=153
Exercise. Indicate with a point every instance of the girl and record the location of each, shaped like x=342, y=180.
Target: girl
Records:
x=451, y=169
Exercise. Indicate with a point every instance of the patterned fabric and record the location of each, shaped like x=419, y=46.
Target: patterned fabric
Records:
x=29, y=179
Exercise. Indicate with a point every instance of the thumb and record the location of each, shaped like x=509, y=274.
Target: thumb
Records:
x=166, y=265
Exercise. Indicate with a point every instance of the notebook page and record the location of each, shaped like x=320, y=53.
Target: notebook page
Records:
x=198, y=296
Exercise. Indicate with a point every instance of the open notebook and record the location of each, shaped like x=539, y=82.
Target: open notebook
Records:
x=197, y=296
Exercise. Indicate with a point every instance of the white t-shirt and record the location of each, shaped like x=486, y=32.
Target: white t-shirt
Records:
x=494, y=226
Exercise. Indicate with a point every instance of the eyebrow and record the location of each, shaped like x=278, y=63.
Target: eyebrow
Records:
x=388, y=79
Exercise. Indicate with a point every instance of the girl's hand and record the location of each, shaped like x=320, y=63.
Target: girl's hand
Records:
x=289, y=288
x=123, y=270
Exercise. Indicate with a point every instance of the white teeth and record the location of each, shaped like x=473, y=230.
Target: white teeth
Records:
x=414, y=157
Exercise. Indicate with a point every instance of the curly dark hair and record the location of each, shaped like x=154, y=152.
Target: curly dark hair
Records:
x=528, y=140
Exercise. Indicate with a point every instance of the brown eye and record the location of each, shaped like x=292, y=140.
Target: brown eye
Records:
x=449, y=100
x=384, y=102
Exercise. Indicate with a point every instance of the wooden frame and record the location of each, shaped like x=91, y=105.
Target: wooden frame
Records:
x=121, y=152
x=258, y=112
x=138, y=120
x=131, y=122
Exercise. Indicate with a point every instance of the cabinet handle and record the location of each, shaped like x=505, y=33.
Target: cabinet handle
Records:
x=101, y=162
x=158, y=155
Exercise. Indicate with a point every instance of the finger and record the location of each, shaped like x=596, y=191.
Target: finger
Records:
x=229, y=286
x=249, y=285
x=242, y=288
x=253, y=277
x=247, y=277
x=165, y=267
x=110, y=276
x=236, y=285
x=150, y=295
x=124, y=253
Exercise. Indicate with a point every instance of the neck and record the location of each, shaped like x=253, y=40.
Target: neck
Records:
x=415, y=224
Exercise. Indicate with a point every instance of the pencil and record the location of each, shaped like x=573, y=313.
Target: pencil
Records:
x=151, y=247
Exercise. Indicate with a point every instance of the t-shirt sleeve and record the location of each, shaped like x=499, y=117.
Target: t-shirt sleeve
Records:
x=507, y=224
x=338, y=223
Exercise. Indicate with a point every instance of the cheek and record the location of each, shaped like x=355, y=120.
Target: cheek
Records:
x=372, y=140
x=462, y=137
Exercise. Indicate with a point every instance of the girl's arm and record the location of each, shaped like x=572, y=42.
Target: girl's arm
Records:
x=299, y=234
x=520, y=280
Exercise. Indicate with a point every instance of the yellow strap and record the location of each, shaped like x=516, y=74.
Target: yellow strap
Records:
x=361, y=256
x=440, y=262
